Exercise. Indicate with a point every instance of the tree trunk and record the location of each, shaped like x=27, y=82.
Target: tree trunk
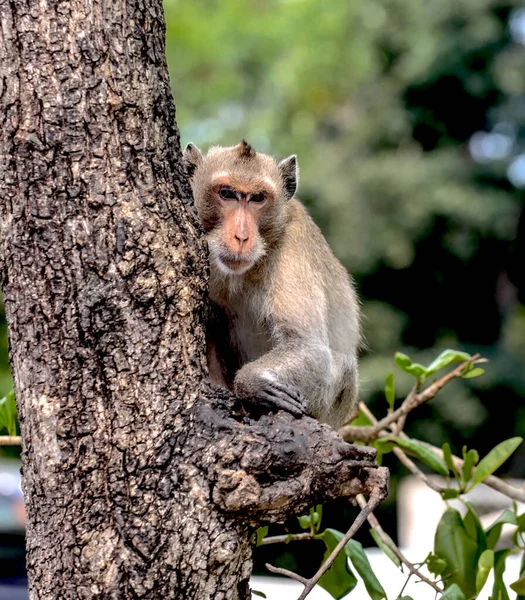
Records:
x=139, y=481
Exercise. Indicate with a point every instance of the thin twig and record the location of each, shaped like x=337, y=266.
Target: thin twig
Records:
x=491, y=481
x=399, y=425
x=412, y=401
x=415, y=470
x=286, y=573
x=374, y=523
x=373, y=501
x=284, y=539
x=10, y=440
x=429, y=392
x=401, y=455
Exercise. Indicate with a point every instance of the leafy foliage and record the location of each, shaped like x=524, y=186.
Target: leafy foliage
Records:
x=465, y=553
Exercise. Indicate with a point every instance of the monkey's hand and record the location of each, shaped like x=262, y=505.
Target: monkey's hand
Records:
x=280, y=396
x=269, y=394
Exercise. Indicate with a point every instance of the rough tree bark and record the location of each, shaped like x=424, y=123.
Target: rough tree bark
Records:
x=140, y=481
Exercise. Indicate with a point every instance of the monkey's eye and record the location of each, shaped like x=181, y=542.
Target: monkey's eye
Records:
x=260, y=197
x=227, y=193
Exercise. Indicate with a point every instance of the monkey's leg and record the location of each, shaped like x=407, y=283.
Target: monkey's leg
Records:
x=340, y=403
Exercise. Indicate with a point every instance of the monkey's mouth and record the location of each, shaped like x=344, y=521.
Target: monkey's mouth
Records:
x=235, y=265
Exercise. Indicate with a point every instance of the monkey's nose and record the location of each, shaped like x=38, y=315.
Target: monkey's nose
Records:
x=241, y=237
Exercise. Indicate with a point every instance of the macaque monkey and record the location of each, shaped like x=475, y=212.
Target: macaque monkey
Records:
x=284, y=329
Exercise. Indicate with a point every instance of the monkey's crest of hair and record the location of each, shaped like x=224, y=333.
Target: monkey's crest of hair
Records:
x=243, y=166
x=245, y=150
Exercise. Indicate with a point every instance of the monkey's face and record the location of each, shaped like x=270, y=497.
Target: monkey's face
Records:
x=242, y=199
x=235, y=242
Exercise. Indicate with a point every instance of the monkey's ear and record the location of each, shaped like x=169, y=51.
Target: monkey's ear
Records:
x=290, y=175
x=192, y=158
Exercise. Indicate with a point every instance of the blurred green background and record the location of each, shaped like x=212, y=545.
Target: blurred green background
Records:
x=408, y=118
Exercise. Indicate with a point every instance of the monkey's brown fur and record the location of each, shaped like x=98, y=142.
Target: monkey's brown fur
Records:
x=284, y=326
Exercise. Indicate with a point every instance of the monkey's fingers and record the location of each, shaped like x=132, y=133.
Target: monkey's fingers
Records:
x=287, y=390
x=287, y=393
x=278, y=402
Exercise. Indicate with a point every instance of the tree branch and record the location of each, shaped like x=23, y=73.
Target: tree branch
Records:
x=266, y=470
x=412, y=401
x=288, y=537
x=491, y=481
x=10, y=440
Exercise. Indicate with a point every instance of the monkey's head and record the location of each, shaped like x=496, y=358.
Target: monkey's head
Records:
x=242, y=199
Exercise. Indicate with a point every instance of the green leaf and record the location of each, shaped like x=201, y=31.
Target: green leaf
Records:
x=521, y=595
x=450, y=494
x=8, y=415
x=519, y=586
x=382, y=447
x=435, y=565
x=304, y=521
x=315, y=517
x=384, y=547
x=262, y=532
x=493, y=532
x=257, y=593
x=474, y=528
x=499, y=589
x=416, y=370
x=390, y=390
x=453, y=593
x=477, y=372
x=485, y=564
x=420, y=451
x=339, y=579
x=518, y=539
x=470, y=459
x=354, y=551
x=446, y=358
x=402, y=360
x=454, y=545
x=318, y=517
x=447, y=455
x=406, y=364
x=494, y=459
